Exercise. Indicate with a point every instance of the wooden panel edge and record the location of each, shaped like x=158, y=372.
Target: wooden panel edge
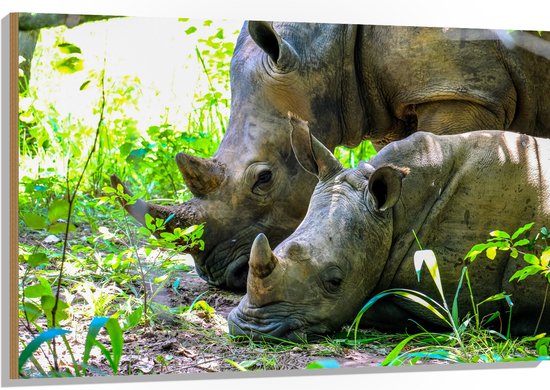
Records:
x=13, y=193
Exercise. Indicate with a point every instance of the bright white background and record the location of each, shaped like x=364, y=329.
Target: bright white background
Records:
x=518, y=14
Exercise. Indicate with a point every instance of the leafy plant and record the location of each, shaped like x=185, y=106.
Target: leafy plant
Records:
x=469, y=340
x=113, y=357
x=535, y=252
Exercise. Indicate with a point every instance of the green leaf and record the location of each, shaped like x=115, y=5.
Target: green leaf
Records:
x=69, y=48
x=133, y=318
x=70, y=65
x=392, y=358
x=43, y=337
x=115, y=335
x=521, y=230
x=149, y=222
x=61, y=227
x=491, y=253
x=32, y=312
x=85, y=85
x=161, y=279
x=545, y=258
x=328, y=363
x=191, y=30
x=531, y=259
x=38, y=290
x=476, y=250
x=499, y=234
x=522, y=242
x=59, y=209
x=48, y=303
x=37, y=259
x=525, y=272
x=35, y=221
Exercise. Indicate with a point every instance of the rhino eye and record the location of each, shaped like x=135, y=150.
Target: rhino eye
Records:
x=263, y=178
x=332, y=280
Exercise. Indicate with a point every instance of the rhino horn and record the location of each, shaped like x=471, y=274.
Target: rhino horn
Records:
x=312, y=155
x=140, y=207
x=281, y=53
x=262, y=260
x=201, y=175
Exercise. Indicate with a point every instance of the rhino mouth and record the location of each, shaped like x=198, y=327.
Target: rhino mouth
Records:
x=256, y=324
x=225, y=265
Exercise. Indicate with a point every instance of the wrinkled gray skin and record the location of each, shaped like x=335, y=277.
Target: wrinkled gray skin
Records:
x=351, y=83
x=356, y=239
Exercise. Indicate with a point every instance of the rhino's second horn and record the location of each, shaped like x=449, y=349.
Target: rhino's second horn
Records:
x=262, y=259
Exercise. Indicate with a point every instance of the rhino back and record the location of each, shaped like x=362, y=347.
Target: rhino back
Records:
x=465, y=71
x=459, y=188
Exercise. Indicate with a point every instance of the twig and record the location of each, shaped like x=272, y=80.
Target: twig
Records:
x=71, y=199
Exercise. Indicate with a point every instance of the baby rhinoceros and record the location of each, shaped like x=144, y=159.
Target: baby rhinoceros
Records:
x=357, y=237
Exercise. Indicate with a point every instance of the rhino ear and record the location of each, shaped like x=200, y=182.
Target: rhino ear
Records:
x=385, y=186
x=312, y=155
x=281, y=53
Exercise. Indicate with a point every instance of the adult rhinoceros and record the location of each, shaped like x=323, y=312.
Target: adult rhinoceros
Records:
x=356, y=238
x=352, y=83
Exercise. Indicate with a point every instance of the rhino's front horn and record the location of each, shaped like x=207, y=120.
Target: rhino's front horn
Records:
x=262, y=260
x=201, y=175
x=140, y=207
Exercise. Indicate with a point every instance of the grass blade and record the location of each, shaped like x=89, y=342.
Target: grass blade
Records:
x=43, y=337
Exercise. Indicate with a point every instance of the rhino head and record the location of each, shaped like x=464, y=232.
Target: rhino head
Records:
x=254, y=184
x=316, y=280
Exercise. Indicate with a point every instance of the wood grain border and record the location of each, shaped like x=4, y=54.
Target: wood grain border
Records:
x=13, y=194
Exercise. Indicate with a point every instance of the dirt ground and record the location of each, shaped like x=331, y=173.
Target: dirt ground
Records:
x=197, y=341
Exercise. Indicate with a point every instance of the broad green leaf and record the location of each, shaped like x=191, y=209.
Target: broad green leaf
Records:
x=61, y=227
x=39, y=290
x=531, y=259
x=160, y=279
x=32, y=312
x=70, y=65
x=522, y=242
x=61, y=314
x=499, y=234
x=115, y=335
x=545, y=258
x=522, y=230
x=476, y=250
x=43, y=337
x=37, y=259
x=59, y=209
x=69, y=48
x=525, y=272
x=191, y=30
x=491, y=253
x=149, y=222
x=35, y=221
x=133, y=318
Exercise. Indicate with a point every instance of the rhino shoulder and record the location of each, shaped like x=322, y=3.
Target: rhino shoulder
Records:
x=419, y=148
